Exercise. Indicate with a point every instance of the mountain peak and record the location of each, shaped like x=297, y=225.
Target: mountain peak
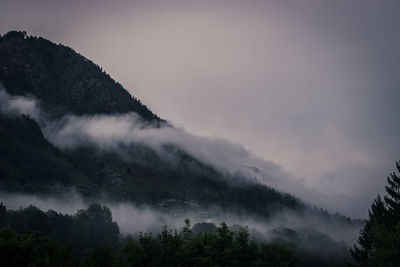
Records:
x=64, y=80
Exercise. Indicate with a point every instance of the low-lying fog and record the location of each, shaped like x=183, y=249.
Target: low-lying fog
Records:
x=133, y=219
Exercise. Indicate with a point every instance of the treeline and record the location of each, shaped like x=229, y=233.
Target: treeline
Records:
x=91, y=238
x=221, y=248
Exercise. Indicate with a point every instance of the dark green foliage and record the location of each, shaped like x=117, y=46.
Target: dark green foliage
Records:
x=62, y=79
x=392, y=199
x=378, y=242
x=81, y=232
x=101, y=257
x=91, y=228
x=31, y=250
x=275, y=255
x=220, y=248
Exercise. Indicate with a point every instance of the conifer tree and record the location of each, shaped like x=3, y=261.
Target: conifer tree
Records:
x=392, y=199
x=378, y=240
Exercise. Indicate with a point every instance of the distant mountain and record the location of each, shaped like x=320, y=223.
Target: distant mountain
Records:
x=62, y=79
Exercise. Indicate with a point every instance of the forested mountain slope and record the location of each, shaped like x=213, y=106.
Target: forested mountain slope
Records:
x=66, y=83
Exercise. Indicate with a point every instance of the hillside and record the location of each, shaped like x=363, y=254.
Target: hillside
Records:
x=65, y=82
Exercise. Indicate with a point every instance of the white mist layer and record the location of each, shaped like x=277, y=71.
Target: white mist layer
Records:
x=109, y=131
x=18, y=105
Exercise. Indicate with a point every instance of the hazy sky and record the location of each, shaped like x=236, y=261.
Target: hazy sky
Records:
x=311, y=85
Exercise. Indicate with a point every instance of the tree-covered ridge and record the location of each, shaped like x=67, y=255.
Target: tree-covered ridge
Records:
x=65, y=81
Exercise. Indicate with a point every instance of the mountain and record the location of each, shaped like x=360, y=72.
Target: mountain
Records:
x=167, y=178
x=66, y=83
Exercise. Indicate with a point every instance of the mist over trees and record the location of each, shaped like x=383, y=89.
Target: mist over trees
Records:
x=91, y=237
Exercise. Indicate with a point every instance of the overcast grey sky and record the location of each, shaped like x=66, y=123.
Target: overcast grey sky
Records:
x=313, y=86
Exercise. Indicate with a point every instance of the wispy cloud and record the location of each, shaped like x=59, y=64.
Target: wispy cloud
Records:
x=18, y=105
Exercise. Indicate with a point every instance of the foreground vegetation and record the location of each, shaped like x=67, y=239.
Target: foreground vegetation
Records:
x=31, y=237
x=168, y=248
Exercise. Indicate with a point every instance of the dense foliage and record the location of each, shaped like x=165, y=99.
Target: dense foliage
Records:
x=31, y=250
x=81, y=232
x=221, y=248
x=378, y=243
